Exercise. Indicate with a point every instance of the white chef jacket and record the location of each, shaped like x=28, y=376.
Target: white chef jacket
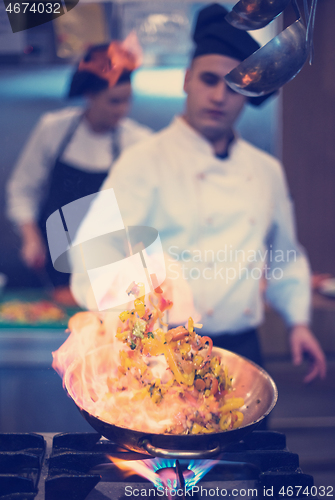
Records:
x=87, y=150
x=225, y=222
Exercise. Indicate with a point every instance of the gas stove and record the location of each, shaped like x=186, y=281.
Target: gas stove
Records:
x=77, y=466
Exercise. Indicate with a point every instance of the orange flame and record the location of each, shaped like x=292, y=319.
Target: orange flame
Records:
x=139, y=467
x=119, y=371
x=251, y=77
x=89, y=363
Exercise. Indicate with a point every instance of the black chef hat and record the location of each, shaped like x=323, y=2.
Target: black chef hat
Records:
x=86, y=82
x=214, y=35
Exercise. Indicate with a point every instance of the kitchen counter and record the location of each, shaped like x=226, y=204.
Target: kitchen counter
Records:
x=31, y=392
x=28, y=348
x=31, y=345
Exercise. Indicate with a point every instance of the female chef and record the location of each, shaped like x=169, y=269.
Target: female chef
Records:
x=72, y=150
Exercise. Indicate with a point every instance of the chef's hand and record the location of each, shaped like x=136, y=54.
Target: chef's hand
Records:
x=302, y=341
x=33, y=251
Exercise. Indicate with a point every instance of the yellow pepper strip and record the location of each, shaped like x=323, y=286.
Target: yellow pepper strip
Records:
x=239, y=420
x=160, y=335
x=125, y=361
x=128, y=363
x=122, y=335
x=141, y=394
x=196, y=429
x=199, y=429
x=153, y=346
x=227, y=379
x=190, y=325
x=141, y=293
x=189, y=377
x=131, y=319
x=139, y=307
x=216, y=367
x=156, y=396
x=232, y=404
x=198, y=360
x=179, y=376
x=184, y=349
x=157, y=312
x=225, y=422
x=124, y=316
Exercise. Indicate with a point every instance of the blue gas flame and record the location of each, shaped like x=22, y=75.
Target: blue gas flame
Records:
x=198, y=467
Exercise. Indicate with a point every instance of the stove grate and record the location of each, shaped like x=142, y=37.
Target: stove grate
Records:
x=21, y=458
x=77, y=463
x=262, y=456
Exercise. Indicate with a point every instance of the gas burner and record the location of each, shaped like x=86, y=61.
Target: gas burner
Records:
x=261, y=460
x=79, y=468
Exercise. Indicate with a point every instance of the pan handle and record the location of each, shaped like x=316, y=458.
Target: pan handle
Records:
x=181, y=454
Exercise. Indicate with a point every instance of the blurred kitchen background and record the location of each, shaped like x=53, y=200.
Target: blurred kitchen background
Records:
x=298, y=126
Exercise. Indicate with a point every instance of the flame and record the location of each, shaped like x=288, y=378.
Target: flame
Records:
x=124, y=371
x=143, y=468
x=83, y=358
x=149, y=469
x=251, y=7
x=89, y=359
x=251, y=77
x=200, y=469
x=89, y=363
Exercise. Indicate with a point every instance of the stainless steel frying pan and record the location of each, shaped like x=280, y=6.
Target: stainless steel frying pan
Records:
x=249, y=381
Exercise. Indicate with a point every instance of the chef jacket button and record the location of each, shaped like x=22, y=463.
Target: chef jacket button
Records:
x=210, y=312
x=201, y=176
x=252, y=221
x=247, y=312
x=209, y=221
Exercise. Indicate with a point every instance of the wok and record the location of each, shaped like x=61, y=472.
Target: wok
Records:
x=249, y=381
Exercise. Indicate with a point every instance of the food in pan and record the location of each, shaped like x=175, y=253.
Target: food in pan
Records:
x=16, y=311
x=193, y=387
x=147, y=379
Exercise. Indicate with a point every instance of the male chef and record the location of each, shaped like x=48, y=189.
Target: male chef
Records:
x=221, y=207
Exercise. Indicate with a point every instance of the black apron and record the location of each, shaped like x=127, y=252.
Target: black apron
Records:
x=66, y=184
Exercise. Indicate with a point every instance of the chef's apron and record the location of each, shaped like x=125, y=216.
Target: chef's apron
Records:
x=66, y=184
